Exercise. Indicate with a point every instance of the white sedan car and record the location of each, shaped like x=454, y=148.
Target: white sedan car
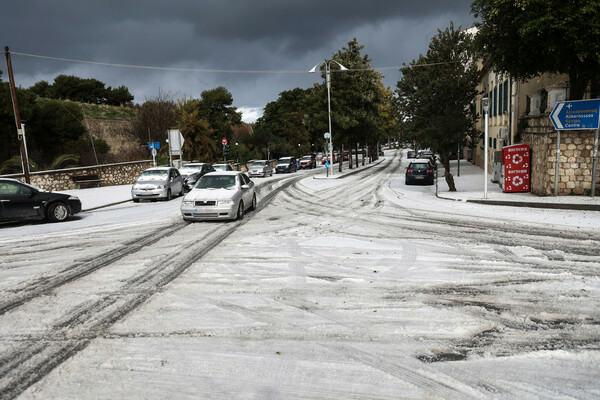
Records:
x=219, y=195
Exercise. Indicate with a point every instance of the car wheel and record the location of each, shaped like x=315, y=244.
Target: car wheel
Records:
x=271, y=174
x=181, y=193
x=253, y=206
x=58, y=212
x=136, y=200
x=240, y=212
x=168, y=198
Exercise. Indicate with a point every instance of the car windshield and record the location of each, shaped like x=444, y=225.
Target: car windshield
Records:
x=155, y=173
x=284, y=161
x=216, y=182
x=220, y=167
x=190, y=169
x=307, y=158
x=419, y=166
x=259, y=164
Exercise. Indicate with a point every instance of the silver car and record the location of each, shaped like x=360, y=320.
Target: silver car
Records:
x=157, y=183
x=260, y=168
x=219, y=195
x=222, y=167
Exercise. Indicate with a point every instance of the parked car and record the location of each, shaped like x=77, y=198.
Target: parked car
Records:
x=285, y=164
x=308, y=162
x=21, y=201
x=222, y=167
x=419, y=170
x=219, y=195
x=326, y=159
x=191, y=172
x=431, y=159
x=157, y=183
x=260, y=168
x=412, y=154
x=425, y=153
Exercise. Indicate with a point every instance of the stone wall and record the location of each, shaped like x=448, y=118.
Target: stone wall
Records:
x=575, y=163
x=111, y=174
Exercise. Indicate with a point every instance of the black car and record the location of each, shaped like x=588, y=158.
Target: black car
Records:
x=20, y=201
x=191, y=172
x=411, y=154
x=286, y=164
x=419, y=171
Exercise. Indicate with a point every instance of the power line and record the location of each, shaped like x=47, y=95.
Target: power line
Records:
x=226, y=71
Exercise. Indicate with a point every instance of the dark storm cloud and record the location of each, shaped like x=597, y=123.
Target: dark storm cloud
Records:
x=216, y=34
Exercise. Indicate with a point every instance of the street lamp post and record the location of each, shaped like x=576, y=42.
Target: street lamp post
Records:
x=485, y=103
x=328, y=80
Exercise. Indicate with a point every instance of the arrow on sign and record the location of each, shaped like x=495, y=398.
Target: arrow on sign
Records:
x=554, y=116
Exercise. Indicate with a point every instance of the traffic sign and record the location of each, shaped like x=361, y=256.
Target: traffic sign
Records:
x=153, y=145
x=575, y=115
x=224, y=141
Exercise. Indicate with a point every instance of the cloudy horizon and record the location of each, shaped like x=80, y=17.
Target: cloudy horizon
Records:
x=256, y=50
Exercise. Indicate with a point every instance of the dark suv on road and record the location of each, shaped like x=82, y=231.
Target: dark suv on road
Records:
x=286, y=164
x=419, y=171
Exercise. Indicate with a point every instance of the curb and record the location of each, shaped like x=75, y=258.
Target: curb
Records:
x=555, y=206
x=106, y=205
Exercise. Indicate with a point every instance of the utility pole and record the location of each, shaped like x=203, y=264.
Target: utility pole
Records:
x=13, y=94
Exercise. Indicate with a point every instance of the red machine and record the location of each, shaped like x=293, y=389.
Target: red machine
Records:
x=515, y=168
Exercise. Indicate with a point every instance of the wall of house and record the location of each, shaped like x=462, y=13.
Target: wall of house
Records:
x=575, y=163
x=111, y=174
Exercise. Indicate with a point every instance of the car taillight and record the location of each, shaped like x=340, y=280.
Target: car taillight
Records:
x=430, y=171
x=410, y=171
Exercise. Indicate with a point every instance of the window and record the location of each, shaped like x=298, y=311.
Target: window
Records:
x=495, y=143
x=495, y=101
x=505, y=99
x=500, y=103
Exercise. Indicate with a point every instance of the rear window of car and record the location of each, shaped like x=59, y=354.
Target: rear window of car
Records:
x=418, y=166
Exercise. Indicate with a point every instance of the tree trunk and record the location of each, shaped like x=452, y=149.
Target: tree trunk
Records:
x=363, y=153
x=578, y=85
x=349, y=156
x=341, y=158
x=447, y=175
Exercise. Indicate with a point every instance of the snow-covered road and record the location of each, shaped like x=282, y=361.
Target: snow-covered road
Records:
x=353, y=288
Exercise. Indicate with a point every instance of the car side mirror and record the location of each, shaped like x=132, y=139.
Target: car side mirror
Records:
x=245, y=187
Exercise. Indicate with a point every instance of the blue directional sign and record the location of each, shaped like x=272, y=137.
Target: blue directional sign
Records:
x=572, y=115
x=153, y=145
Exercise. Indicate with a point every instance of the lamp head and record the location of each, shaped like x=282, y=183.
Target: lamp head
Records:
x=485, y=103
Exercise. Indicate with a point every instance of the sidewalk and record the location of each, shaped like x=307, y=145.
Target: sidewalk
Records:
x=470, y=183
x=93, y=198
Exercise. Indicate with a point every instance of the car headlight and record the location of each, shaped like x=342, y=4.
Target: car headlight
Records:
x=161, y=186
x=225, y=202
x=188, y=202
x=136, y=187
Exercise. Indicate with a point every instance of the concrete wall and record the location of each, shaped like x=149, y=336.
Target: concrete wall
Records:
x=111, y=174
x=575, y=164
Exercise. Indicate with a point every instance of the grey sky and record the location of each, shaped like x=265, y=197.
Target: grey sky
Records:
x=265, y=35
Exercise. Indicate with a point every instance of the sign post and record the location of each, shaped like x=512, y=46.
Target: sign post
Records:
x=328, y=164
x=576, y=115
x=176, y=141
x=153, y=146
x=224, y=141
